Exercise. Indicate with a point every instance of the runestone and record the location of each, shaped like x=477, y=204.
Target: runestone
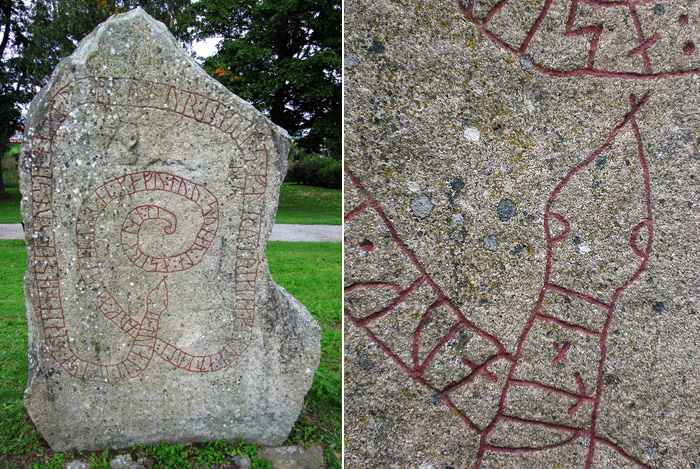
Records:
x=149, y=194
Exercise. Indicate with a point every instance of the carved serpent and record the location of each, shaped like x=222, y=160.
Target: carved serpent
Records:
x=247, y=183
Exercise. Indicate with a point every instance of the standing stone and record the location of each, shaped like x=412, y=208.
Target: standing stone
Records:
x=149, y=193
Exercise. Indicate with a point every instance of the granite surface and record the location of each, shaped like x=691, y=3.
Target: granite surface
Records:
x=522, y=218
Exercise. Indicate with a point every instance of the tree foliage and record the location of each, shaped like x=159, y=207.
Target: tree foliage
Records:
x=56, y=26
x=13, y=23
x=37, y=34
x=284, y=56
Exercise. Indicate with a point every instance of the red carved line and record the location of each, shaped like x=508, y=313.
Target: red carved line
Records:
x=560, y=353
x=643, y=43
x=576, y=294
x=399, y=362
x=69, y=361
x=581, y=390
x=372, y=285
x=506, y=449
x=618, y=292
x=620, y=451
x=225, y=125
x=491, y=12
x=487, y=374
x=399, y=299
x=633, y=237
x=453, y=331
x=356, y=211
x=532, y=384
x=419, y=329
x=468, y=12
x=608, y=141
x=371, y=202
x=555, y=426
x=478, y=370
x=629, y=118
x=596, y=30
x=567, y=325
x=535, y=27
x=547, y=231
x=446, y=399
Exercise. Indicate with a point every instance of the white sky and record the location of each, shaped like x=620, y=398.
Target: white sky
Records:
x=206, y=48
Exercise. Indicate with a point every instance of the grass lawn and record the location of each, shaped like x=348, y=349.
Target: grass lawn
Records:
x=309, y=271
x=9, y=208
x=305, y=205
x=309, y=205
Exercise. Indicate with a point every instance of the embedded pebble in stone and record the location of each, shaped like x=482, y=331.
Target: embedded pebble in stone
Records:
x=425, y=465
x=490, y=243
x=526, y=62
x=377, y=47
x=506, y=209
x=472, y=134
x=457, y=219
x=351, y=61
x=413, y=186
x=365, y=363
x=583, y=248
x=457, y=184
x=421, y=206
x=659, y=9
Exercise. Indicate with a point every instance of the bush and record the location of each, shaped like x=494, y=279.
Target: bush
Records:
x=316, y=171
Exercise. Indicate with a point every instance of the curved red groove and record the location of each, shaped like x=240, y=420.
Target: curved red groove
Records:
x=467, y=11
x=548, y=233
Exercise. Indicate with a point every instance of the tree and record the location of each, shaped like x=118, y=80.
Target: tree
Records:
x=284, y=56
x=56, y=27
x=13, y=23
x=36, y=37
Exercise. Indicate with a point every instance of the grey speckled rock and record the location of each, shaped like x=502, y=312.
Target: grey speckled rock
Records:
x=149, y=193
x=124, y=461
x=544, y=312
x=294, y=457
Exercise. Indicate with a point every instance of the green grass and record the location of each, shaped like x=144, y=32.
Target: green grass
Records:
x=9, y=208
x=10, y=176
x=309, y=205
x=310, y=271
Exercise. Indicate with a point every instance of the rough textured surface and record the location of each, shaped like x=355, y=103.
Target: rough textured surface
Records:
x=149, y=193
x=544, y=312
x=125, y=461
x=293, y=457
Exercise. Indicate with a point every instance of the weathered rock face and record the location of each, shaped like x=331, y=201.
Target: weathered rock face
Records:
x=149, y=192
x=521, y=257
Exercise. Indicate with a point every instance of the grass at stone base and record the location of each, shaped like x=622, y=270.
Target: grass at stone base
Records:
x=304, y=205
x=310, y=271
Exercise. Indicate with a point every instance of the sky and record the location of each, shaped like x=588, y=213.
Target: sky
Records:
x=206, y=48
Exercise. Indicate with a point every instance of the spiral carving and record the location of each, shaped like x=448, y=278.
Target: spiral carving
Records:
x=247, y=181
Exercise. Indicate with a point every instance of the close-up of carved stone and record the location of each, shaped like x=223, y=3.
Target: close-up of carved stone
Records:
x=521, y=218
